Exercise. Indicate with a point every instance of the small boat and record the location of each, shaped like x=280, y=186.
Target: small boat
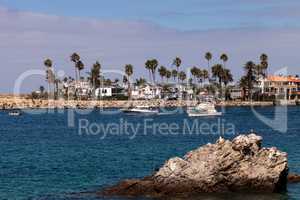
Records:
x=202, y=110
x=14, y=113
x=140, y=110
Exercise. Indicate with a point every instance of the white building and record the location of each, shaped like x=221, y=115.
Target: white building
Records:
x=104, y=92
x=236, y=92
x=146, y=92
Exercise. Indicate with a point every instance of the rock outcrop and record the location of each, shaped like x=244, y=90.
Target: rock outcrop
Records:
x=226, y=166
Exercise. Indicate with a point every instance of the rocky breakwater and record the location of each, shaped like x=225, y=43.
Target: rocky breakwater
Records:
x=226, y=166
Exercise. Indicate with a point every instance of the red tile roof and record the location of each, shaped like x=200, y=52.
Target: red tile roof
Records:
x=283, y=79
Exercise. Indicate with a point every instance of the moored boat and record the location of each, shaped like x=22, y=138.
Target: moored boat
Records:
x=202, y=110
x=140, y=110
x=14, y=113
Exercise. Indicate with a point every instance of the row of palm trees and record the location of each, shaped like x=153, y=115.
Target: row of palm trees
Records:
x=219, y=73
x=253, y=72
x=151, y=65
x=201, y=75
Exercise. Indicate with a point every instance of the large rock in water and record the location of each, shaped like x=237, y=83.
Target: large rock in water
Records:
x=226, y=166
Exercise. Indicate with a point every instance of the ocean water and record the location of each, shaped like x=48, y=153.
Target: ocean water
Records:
x=43, y=157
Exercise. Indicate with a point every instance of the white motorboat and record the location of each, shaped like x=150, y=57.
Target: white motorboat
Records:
x=203, y=110
x=140, y=110
x=14, y=113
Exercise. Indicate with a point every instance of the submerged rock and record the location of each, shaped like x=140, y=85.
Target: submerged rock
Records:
x=294, y=178
x=226, y=166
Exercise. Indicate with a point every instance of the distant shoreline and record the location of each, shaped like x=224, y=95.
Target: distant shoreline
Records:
x=10, y=102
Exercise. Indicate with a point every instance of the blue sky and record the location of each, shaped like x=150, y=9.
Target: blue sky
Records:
x=130, y=31
x=179, y=14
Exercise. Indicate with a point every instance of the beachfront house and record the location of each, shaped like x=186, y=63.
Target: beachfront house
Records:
x=177, y=91
x=113, y=91
x=281, y=86
x=146, y=91
x=104, y=92
x=80, y=88
x=236, y=93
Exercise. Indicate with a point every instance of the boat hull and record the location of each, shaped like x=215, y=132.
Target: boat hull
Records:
x=204, y=114
x=140, y=111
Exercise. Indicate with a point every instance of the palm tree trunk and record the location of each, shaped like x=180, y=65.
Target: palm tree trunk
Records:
x=221, y=89
x=225, y=86
x=56, y=92
x=177, y=76
x=94, y=89
x=48, y=90
x=76, y=74
x=150, y=75
x=129, y=89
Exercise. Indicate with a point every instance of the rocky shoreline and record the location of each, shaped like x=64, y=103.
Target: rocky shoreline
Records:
x=25, y=103
x=240, y=165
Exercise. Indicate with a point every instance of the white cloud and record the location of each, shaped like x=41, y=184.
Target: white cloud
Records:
x=27, y=38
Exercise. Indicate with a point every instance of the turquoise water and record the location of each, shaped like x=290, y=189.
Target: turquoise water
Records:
x=43, y=158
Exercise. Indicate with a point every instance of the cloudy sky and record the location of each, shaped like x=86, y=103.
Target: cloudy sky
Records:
x=131, y=31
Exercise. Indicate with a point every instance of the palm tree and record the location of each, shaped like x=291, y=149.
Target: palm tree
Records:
x=151, y=66
x=208, y=57
x=174, y=74
x=250, y=77
x=79, y=66
x=264, y=63
x=48, y=63
x=154, y=65
x=49, y=73
x=42, y=90
x=227, y=78
x=95, y=75
x=205, y=74
x=224, y=58
x=217, y=72
x=96, y=71
x=177, y=62
x=140, y=82
x=66, y=87
x=75, y=58
x=125, y=80
x=243, y=83
x=56, y=83
x=162, y=72
x=182, y=76
x=194, y=72
x=168, y=75
x=129, y=72
x=199, y=76
x=148, y=67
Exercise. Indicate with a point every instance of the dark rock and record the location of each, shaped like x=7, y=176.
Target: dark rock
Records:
x=226, y=166
x=293, y=178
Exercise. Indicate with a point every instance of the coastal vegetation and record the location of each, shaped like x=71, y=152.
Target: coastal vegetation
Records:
x=215, y=79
